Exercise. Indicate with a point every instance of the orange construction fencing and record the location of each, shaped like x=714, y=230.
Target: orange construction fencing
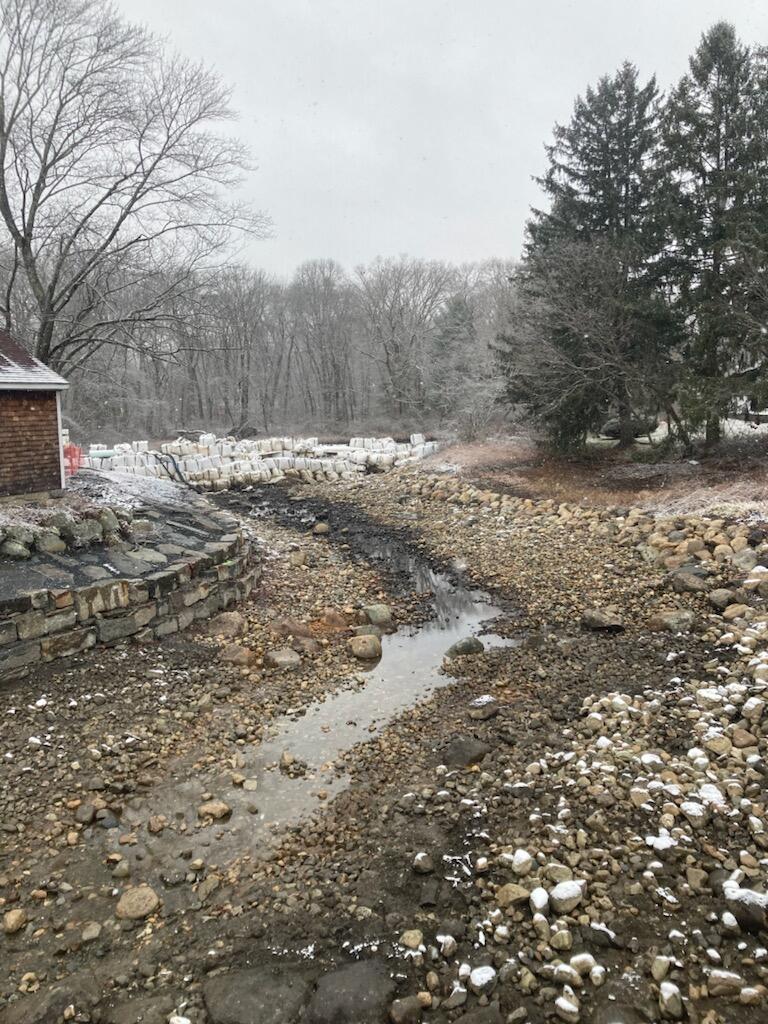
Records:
x=73, y=459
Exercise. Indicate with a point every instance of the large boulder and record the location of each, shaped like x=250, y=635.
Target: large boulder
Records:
x=109, y=521
x=483, y=707
x=284, y=659
x=21, y=534
x=721, y=598
x=512, y=893
x=14, y=920
x=137, y=902
x=81, y=534
x=746, y=559
x=227, y=624
x=289, y=626
x=567, y=895
x=463, y=750
x=358, y=993
x=14, y=549
x=688, y=583
x=468, y=645
x=750, y=908
x=215, y=809
x=50, y=543
x=306, y=645
x=379, y=615
x=234, y=654
x=260, y=995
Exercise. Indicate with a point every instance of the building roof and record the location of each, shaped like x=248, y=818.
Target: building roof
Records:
x=19, y=371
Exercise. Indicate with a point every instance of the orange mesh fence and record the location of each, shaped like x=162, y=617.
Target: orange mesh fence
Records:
x=73, y=459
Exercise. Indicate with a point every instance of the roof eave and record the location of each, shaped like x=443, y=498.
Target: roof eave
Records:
x=37, y=386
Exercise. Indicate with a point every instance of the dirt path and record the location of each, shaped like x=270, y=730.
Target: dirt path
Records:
x=336, y=843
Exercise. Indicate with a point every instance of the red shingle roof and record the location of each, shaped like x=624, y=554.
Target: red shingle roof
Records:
x=19, y=371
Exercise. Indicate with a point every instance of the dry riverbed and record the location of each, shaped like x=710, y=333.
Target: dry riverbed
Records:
x=251, y=824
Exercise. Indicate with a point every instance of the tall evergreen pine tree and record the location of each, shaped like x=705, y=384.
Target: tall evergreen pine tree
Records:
x=603, y=182
x=603, y=177
x=716, y=162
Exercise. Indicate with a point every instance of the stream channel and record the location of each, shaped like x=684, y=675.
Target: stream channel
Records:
x=276, y=797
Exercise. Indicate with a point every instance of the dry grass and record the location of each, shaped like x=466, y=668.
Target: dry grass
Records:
x=732, y=483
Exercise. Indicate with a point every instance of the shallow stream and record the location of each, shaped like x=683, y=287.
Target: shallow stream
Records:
x=278, y=794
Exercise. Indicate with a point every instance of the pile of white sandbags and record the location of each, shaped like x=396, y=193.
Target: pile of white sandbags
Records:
x=219, y=463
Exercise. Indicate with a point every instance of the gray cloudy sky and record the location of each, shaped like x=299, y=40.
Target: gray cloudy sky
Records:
x=383, y=127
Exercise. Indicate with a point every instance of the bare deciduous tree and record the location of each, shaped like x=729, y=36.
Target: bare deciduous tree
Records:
x=400, y=300
x=113, y=182
x=322, y=300
x=242, y=352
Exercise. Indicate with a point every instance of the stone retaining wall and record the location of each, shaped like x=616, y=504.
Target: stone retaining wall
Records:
x=49, y=624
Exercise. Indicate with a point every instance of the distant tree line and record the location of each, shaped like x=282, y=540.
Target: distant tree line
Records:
x=644, y=284
x=397, y=343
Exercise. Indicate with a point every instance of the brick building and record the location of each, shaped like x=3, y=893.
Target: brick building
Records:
x=30, y=422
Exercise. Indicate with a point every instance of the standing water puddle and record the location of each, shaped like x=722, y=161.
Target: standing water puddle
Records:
x=407, y=673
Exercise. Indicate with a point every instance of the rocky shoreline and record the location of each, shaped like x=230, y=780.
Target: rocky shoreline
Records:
x=573, y=830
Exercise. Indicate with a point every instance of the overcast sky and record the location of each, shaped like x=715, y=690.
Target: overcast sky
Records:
x=382, y=127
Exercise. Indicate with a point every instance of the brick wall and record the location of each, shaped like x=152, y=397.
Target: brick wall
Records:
x=29, y=442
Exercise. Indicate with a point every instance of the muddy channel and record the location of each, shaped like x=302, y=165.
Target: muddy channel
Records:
x=299, y=763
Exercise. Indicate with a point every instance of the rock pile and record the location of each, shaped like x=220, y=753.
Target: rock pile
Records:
x=219, y=463
x=649, y=808
x=618, y=818
x=719, y=566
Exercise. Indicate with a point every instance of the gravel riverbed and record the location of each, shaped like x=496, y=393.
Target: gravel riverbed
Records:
x=565, y=821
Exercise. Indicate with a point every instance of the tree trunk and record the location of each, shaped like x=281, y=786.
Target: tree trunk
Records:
x=626, y=432
x=44, y=340
x=712, y=434
x=245, y=385
x=682, y=433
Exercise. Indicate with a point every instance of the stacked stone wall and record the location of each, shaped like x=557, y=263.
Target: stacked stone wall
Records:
x=49, y=624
